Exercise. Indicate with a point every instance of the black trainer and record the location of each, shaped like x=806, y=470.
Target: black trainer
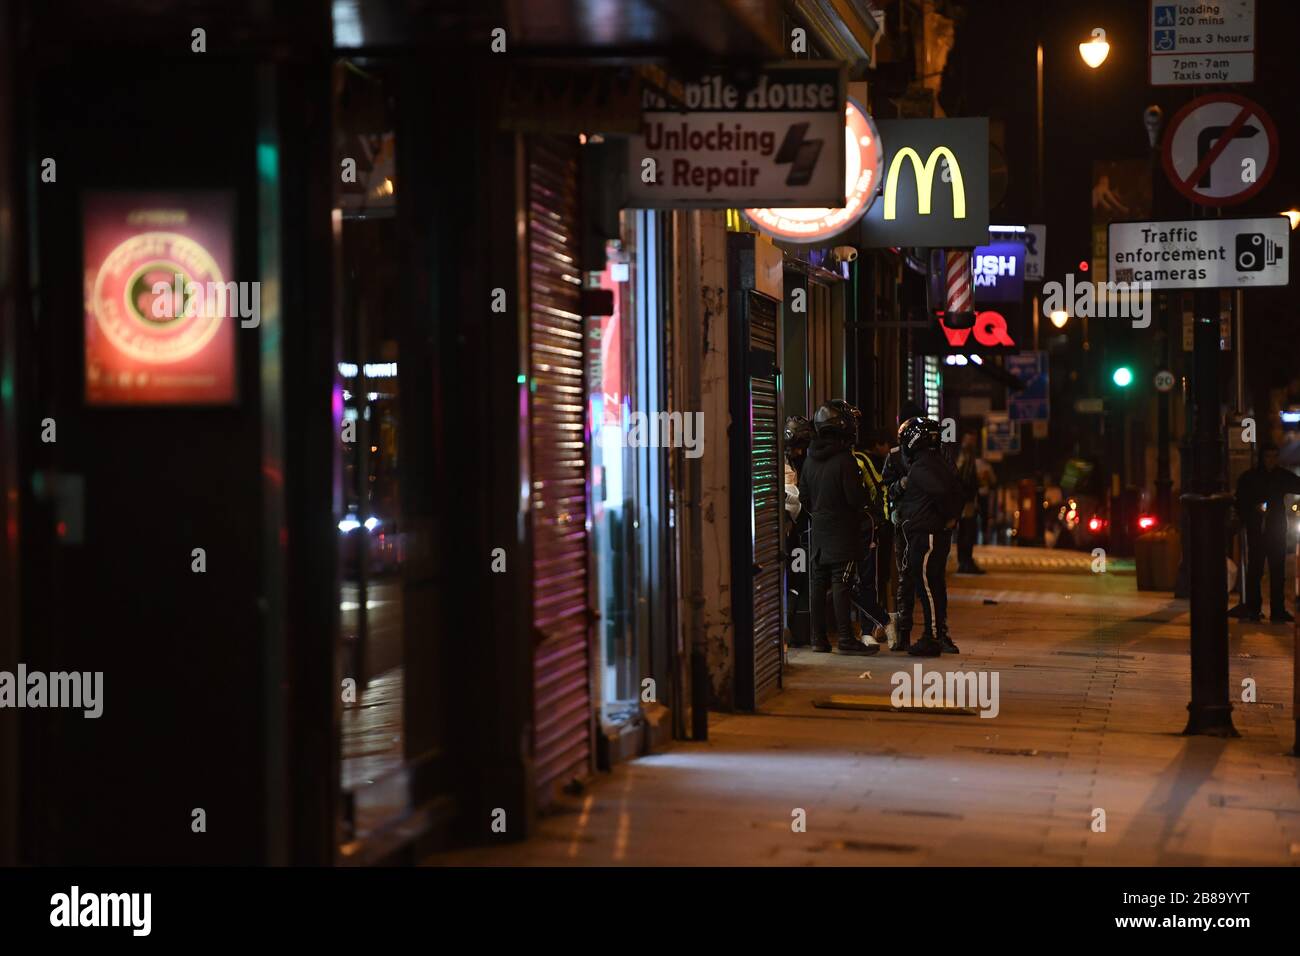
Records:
x=927, y=646
x=1281, y=617
x=945, y=642
x=821, y=647
x=856, y=649
x=902, y=641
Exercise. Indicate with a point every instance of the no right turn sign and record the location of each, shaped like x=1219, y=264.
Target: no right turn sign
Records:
x=1220, y=149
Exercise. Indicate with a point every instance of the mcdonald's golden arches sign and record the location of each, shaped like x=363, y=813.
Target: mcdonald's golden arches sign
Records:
x=935, y=186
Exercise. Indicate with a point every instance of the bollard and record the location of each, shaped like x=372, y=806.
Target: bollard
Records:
x=1210, y=710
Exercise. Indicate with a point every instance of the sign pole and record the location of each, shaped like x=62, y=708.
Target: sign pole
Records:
x=1210, y=709
x=1239, y=345
x=1164, y=484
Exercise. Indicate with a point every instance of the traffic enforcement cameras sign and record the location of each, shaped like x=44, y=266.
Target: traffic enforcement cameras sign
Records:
x=1201, y=253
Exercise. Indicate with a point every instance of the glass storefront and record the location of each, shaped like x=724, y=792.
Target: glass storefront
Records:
x=370, y=524
x=629, y=467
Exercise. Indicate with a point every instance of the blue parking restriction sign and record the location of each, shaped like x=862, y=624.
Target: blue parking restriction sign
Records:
x=1033, y=402
x=1199, y=43
x=1001, y=435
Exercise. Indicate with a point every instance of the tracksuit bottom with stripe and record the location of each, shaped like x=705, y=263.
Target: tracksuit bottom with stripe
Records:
x=922, y=566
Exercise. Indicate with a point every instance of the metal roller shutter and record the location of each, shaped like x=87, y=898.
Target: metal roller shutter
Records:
x=757, y=498
x=561, y=678
x=767, y=483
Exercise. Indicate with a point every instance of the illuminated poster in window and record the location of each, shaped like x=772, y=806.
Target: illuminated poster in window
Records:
x=160, y=298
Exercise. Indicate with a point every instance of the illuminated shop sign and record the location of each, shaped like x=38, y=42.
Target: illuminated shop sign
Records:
x=999, y=272
x=161, y=306
x=862, y=151
x=936, y=185
x=990, y=332
x=766, y=138
x=372, y=369
x=924, y=173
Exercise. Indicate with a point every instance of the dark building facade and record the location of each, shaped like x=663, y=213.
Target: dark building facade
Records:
x=388, y=574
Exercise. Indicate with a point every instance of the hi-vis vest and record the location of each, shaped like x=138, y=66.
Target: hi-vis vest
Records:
x=873, y=481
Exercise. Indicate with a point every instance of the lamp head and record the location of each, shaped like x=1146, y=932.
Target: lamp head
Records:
x=1095, y=51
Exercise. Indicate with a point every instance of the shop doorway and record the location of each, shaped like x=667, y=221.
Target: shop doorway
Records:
x=373, y=500
x=634, y=439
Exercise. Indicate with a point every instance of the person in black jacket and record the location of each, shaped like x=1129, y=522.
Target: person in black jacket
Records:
x=892, y=470
x=928, y=501
x=830, y=489
x=1265, y=485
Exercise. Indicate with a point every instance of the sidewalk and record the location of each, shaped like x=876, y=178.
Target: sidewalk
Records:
x=1093, y=692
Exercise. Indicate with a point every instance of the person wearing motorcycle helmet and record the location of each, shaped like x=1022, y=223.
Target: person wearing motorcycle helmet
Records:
x=845, y=407
x=916, y=435
x=799, y=434
x=880, y=557
x=872, y=615
x=928, y=500
x=892, y=470
x=830, y=489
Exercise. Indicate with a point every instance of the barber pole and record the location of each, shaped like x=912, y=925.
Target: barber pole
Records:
x=960, y=313
x=961, y=297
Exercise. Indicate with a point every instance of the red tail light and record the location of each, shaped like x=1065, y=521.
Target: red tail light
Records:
x=1095, y=523
x=1147, y=522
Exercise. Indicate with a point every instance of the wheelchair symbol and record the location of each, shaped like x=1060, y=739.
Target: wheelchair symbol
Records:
x=1164, y=41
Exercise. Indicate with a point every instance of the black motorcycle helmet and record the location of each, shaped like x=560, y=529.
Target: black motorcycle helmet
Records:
x=847, y=406
x=799, y=433
x=837, y=419
x=918, y=433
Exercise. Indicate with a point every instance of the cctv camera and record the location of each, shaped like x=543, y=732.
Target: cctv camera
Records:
x=1152, y=118
x=846, y=253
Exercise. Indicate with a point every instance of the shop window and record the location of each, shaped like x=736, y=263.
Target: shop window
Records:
x=370, y=520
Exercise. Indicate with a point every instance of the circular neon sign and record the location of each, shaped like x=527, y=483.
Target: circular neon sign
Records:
x=863, y=158
x=123, y=299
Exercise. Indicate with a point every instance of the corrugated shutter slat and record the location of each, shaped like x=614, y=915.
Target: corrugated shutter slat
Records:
x=561, y=678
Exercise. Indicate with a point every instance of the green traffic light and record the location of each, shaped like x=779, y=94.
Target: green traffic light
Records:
x=1123, y=376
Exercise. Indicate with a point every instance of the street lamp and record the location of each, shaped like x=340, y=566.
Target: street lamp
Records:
x=1059, y=317
x=1294, y=216
x=1095, y=51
